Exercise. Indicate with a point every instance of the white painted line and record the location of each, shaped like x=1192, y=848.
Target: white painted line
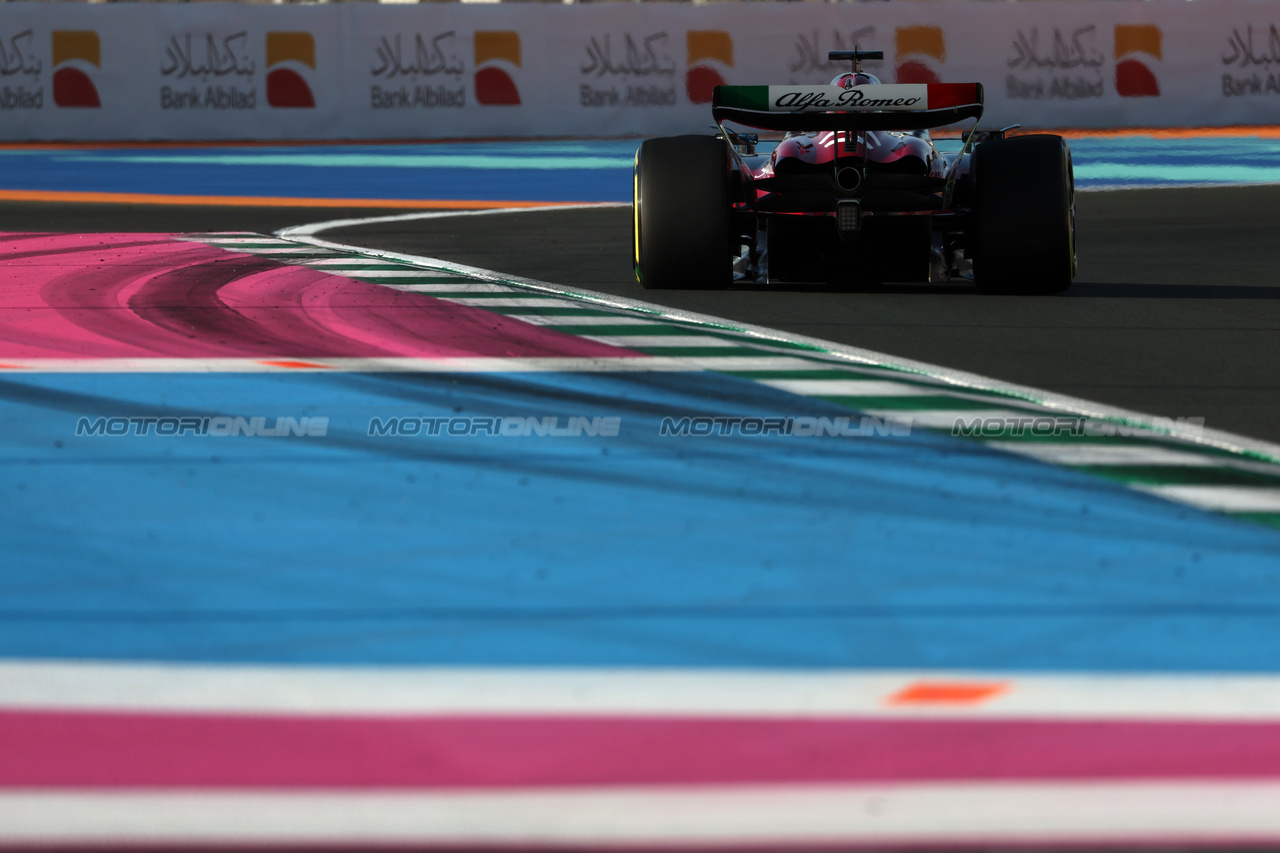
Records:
x=371, y=263
x=824, y=694
x=292, y=364
x=641, y=340
x=943, y=419
x=848, y=388
x=958, y=379
x=521, y=302
x=272, y=251
x=400, y=273
x=748, y=362
x=1087, y=453
x=703, y=816
x=545, y=320
x=310, y=230
x=449, y=288
x=888, y=388
x=254, y=239
x=1220, y=498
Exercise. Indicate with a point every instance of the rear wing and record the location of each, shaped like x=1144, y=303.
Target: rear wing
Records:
x=897, y=106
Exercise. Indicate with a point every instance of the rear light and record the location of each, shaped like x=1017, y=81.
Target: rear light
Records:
x=848, y=217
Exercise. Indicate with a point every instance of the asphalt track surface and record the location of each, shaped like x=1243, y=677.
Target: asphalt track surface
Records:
x=1175, y=311
x=365, y=555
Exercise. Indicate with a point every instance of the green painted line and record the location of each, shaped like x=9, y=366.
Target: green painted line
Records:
x=1148, y=439
x=282, y=257
x=1145, y=438
x=292, y=257
x=507, y=294
x=633, y=330
x=743, y=339
x=1104, y=430
x=838, y=374
x=554, y=311
x=1271, y=519
x=1182, y=475
x=318, y=253
x=939, y=402
x=763, y=343
x=964, y=391
x=444, y=294
x=835, y=373
x=617, y=331
x=701, y=352
x=812, y=358
x=355, y=266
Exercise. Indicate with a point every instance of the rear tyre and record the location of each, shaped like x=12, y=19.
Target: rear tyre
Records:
x=682, y=214
x=1024, y=238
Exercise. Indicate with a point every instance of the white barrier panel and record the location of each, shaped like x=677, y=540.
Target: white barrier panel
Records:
x=356, y=71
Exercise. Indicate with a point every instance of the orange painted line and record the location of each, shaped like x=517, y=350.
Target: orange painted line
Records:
x=295, y=364
x=269, y=201
x=11, y=367
x=947, y=693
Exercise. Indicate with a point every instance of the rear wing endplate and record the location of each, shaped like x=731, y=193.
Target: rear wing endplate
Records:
x=896, y=106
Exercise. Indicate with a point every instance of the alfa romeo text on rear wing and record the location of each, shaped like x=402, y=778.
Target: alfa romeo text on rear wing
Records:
x=898, y=106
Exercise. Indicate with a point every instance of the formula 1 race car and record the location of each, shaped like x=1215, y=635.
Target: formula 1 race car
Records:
x=856, y=193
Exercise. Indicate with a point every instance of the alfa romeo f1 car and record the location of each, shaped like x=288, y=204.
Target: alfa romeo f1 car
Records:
x=856, y=192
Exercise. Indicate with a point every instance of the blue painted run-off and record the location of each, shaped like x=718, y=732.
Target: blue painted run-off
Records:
x=917, y=551
x=531, y=171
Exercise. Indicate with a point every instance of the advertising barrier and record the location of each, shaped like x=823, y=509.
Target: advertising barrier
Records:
x=213, y=71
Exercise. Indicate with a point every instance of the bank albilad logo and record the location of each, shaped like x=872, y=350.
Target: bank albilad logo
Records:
x=287, y=54
x=707, y=50
x=74, y=52
x=920, y=53
x=1138, y=47
x=497, y=53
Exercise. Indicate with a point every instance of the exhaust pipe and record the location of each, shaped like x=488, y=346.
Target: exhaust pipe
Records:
x=848, y=178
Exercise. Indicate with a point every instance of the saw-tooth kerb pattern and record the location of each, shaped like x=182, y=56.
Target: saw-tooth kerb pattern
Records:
x=1143, y=457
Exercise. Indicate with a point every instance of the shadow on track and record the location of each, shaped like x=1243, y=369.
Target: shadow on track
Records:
x=1172, y=291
